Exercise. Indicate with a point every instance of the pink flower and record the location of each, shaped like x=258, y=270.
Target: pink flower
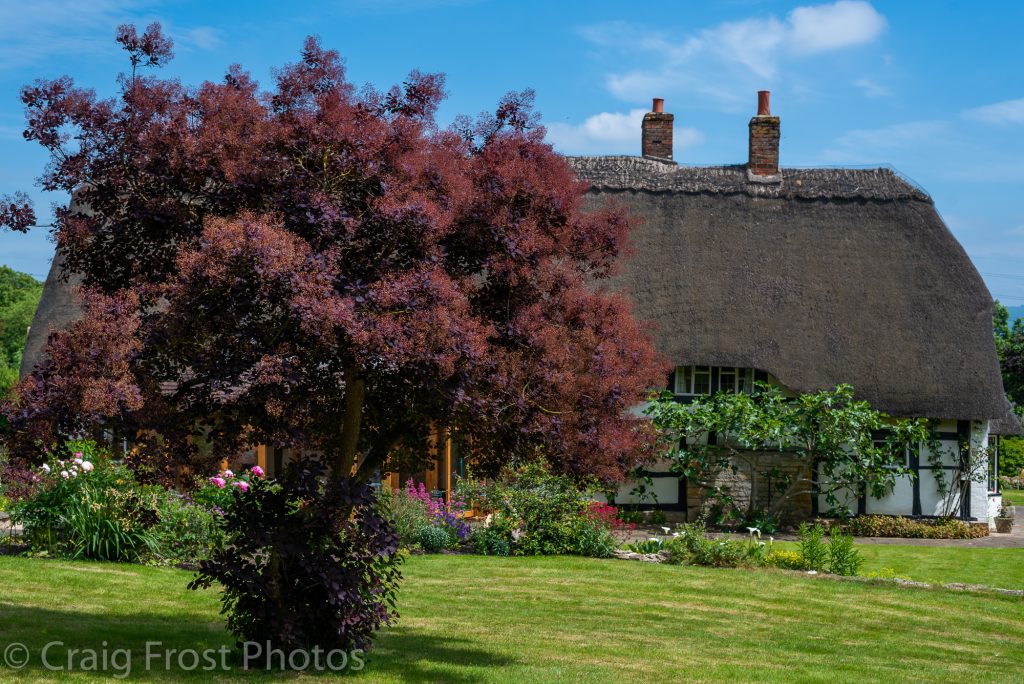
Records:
x=219, y=481
x=241, y=484
x=227, y=474
x=65, y=474
x=78, y=455
x=86, y=466
x=256, y=471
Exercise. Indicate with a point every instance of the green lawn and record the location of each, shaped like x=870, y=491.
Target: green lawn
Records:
x=1002, y=568
x=1013, y=497
x=478, y=619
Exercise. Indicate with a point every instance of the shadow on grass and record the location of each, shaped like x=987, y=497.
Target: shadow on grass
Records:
x=403, y=655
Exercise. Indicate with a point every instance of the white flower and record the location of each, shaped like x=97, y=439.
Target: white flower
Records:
x=771, y=539
x=488, y=519
x=74, y=473
x=675, y=534
x=46, y=468
x=753, y=531
x=666, y=530
x=812, y=572
x=86, y=466
x=65, y=474
x=78, y=461
x=654, y=539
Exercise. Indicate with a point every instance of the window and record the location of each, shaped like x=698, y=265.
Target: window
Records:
x=691, y=380
x=727, y=380
x=898, y=460
x=701, y=380
x=683, y=379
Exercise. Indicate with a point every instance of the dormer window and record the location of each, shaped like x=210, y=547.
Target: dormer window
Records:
x=699, y=380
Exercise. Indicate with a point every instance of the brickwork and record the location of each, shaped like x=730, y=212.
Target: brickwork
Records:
x=764, y=145
x=656, y=140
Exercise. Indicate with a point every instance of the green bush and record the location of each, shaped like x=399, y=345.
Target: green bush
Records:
x=434, y=538
x=843, y=557
x=910, y=528
x=691, y=546
x=406, y=513
x=185, y=532
x=536, y=512
x=1011, y=456
x=88, y=507
x=812, y=546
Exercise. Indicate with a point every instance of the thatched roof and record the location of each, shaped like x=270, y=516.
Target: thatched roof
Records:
x=832, y=275
x=829, y=276
x=1008, y=424
x=57, y=309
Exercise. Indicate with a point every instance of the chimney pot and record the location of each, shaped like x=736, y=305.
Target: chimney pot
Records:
x=656, y=132
x=763, y=105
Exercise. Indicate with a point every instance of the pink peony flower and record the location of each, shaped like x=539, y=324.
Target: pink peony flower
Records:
x=86, y=466
x=65, y=474
x=219, y=481
x=78, y=461
x=78, y=455
x=46, y=468
x=241, y=484
x=227, y=474
x=256, y=471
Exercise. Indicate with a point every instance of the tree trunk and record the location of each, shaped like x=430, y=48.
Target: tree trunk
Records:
x=355, y=391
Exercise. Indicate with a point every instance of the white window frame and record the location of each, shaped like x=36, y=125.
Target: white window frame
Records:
x=685, y=379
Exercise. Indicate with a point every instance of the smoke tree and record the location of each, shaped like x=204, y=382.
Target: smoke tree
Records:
x=325, y=267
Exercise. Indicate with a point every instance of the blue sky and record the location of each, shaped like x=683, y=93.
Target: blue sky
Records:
x=932, y=88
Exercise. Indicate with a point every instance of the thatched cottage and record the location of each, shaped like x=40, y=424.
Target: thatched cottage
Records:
x=803, y=277
x=810, y=278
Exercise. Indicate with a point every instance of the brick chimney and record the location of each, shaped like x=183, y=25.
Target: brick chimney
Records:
x=764, y=141
x=656, y=140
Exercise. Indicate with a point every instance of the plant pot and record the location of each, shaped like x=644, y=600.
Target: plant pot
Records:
x=1004, y=525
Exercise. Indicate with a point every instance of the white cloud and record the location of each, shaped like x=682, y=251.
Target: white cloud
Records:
x=730, y=58
x=870, y=145
x=612, y=133
x=202, y=37
x=832, y=27
x=872, y=88
x=33, y=31
x=1006, y=112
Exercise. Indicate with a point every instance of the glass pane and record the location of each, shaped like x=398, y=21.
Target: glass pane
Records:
x=702, y=380
x=727, y=380
x=682, y=380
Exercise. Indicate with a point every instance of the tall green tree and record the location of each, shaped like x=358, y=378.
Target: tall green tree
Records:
x=19, y=297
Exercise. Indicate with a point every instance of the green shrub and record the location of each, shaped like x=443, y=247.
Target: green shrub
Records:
x=185, y=532
x=536, y=512
x=88, y=507
x=406, y=513
x=843, y=557
x=910, y=528
x=489, y=541
x=812, y=546
x=435, y=539
x=691, y=545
